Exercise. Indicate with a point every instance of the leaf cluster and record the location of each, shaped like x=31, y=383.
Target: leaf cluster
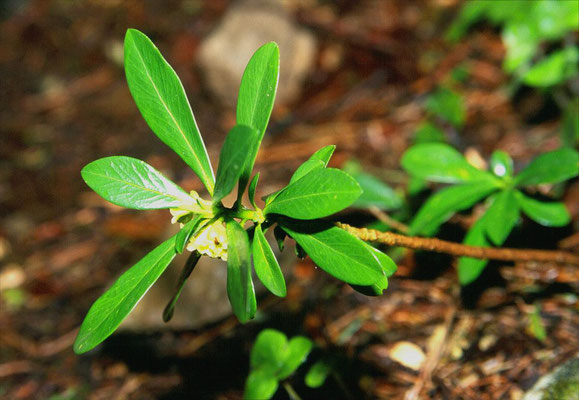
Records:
x=208, y=227
x=274, y=358
x=503, y=190
x=526, y=26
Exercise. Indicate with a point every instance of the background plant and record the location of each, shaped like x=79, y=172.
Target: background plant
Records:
x=207, y=226
x=502, y=189
x=538, y=36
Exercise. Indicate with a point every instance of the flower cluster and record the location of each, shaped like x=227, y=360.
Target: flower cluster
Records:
x=211, y=239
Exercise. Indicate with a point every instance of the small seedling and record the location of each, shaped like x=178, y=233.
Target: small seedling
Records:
x=208, y=228
x=274, y=359
x=438, y=162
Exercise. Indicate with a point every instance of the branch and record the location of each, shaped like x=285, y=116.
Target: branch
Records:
x=457, y=249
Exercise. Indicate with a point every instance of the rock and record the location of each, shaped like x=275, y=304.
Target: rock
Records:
x=203, y=300
x=561, y=384
x=244, y=28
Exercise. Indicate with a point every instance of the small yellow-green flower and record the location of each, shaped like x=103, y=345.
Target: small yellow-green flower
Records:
x=211, y=241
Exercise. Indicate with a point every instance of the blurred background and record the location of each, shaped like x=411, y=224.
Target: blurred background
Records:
x=372, y=77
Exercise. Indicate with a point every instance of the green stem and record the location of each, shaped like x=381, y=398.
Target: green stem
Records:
x=291, y=392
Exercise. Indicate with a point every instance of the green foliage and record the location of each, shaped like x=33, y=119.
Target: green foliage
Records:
x=160, y=97
x=448, y=105
x=438, y=162
x=207, y=226
x=273, y=359
x=132, y=183
x=526, y=25
x=374, y=192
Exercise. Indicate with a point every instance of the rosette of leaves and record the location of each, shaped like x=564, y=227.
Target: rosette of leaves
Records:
x=208, y=227
x=504, y=193
x=274, y=359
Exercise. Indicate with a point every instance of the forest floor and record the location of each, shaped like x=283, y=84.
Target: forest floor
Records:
x=64, y=102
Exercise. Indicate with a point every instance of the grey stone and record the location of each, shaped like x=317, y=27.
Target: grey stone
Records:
x=244, y=28
x=561, y=384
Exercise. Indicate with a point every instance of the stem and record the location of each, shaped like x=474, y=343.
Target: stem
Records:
x=291, y=392
x=457, y=249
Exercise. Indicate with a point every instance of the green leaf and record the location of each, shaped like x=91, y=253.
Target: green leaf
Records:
x=324, y=154
x=388, y=266
x=270, y=351
x=536, y=325
x=428, y=133
x=107, y=313
x=305, y=169
x=280, y=236
x=190, y=229
x=552, y=167
x=554, y=69
x=502, y=216
x=442, y=205
x=546, y=214
x=160, y=97
x=266, y=265
x=261, y=385
x=318, y=194
x=374, y=192
x=439, y=162
x=318, y=373
x=185, y=273
x=470, y=268
x=501, y=164
x=521, y=42
x=448, y=105
x=235, y=154
x=132, y=183
x=299, y=348
x=570, y=128
x=252, y=189
x=336, y=251
x=239, y=284
x=256, y=97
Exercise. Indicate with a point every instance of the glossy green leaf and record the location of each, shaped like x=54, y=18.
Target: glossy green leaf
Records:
x=235, y=154
x=252, y=189
x=185, y=273
x=501, y=164
x=502, y=216
x=547, y=214
x=447, y=105
x=260, y=384
x=160, y=97
x=107, y=313
x=521, y=42
x=336, y=251
x=266, y=265
x=270, y=351
x=256, y=97
x=324, y=154
x=190, y=229
x=388, y=267
x=318, y=373
x=299, y=348
x=318, y=194
x=132, y=183
x=470, y=268
x=442, y=205
x=240, y=289
x=555, y=68
x=439, y=162
x=305, y=169
x=552, y=167
x=375, y=193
